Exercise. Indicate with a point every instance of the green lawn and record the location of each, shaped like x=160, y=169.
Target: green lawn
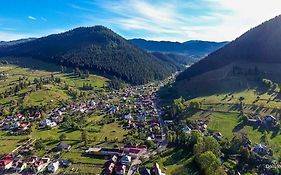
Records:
x=224, y=123
x=111, y=131
x=6, y=146
x=175, y=161
x=50, y=95
x=82, y=169
x=266, y=99
x=228, y=123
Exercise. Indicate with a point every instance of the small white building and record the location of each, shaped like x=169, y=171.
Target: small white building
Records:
x=187, y=130
x=128, y=116
x=53, y=167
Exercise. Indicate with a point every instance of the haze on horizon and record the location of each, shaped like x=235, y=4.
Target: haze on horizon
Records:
x=173, y=20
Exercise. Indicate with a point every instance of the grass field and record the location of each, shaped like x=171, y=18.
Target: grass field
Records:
x=175, y=161
x=6, y=146
x=228, y=124
x=254, y=101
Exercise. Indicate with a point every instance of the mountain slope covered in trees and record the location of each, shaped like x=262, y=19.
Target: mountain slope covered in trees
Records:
x=260, y=44
x=96, y=48
x=240, y=64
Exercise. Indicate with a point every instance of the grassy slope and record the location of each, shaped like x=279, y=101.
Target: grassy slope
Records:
x=228, y=123
x=50, y=93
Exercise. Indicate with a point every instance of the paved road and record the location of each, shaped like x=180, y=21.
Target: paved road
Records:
x=134, y=166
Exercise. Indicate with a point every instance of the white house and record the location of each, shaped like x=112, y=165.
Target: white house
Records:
x=40, y=165
x=53, y=167
x=48, y=123
x=128, y=116
x=261, y=149
x=187, y=130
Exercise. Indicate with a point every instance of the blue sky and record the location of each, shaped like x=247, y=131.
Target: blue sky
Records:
x=174, y=20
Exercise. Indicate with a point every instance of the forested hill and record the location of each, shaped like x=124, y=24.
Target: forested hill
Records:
x=96, y=48
x=261, y=44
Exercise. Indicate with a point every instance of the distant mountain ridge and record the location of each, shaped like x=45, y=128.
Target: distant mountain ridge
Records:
x=195, y=48
x=96, y=48
x=13, y=42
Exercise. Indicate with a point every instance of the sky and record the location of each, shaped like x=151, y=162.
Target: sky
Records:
x=169, y=20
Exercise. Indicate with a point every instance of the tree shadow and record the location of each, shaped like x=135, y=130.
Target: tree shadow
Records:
x=239, y=127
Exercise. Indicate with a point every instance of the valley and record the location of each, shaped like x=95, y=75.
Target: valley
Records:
x=140, y=88
x=54, y=107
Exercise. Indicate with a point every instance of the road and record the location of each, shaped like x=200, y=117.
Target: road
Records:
x=134, y=166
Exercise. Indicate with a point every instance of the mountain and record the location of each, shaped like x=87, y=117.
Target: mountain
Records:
x=179, y=60
x=240, y=64
x=14, y=42
x=96, y=48
x=193, y=48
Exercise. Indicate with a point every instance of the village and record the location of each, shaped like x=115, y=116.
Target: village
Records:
x=262, y=151
x=137, y=109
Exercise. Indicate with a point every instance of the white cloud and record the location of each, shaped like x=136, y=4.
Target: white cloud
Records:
x=31, y=18
x=216, y=20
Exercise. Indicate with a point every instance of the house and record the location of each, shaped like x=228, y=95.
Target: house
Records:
x=110, y=168
x=269, y=119
x=260, y=149
x=53, y=167
x=19, y=116
x=6, y=162
x=104, y=151
x=15, y=125
x=144, y=171
x=120, y=169
x=156, y=170
x=218, y=135
x=252, y=121
x=20, y=166
x=167, y=122
x=65, y=163
x=37, y=115
x=114, y=158
x=31, y=160
x=128, y=116
x=126, y=160
x=63, y=146
x=46, y=123
x=134, y=152
x=23, y=126
x=40, y=165
x=187, y=130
